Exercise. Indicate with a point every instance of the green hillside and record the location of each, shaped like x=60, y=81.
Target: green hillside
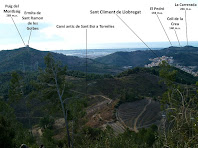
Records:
x=181, y=77
x=29, y=59
x=134, y=86
x=116, y=110
x=186, y=56
x=136, y=58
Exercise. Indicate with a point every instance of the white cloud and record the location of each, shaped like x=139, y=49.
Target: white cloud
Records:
x=75, y=12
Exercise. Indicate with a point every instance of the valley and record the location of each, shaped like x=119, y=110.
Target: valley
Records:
x=106, y=100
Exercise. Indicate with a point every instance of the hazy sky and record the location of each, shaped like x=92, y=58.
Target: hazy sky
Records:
x=77, y=12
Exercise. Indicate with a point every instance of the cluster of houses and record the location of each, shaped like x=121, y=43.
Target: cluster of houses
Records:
x=170, y=61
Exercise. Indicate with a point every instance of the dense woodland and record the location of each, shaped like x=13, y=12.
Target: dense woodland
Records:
x=38, y=98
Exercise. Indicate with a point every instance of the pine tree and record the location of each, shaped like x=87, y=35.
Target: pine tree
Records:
x=53, y=87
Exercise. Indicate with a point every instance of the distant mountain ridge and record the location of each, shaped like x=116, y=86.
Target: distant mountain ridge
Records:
x=95, y=53
x=186, y=56
x=29, y=59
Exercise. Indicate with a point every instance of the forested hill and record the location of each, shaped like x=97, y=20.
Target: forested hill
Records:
x=29, y=59
x=186, y=56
